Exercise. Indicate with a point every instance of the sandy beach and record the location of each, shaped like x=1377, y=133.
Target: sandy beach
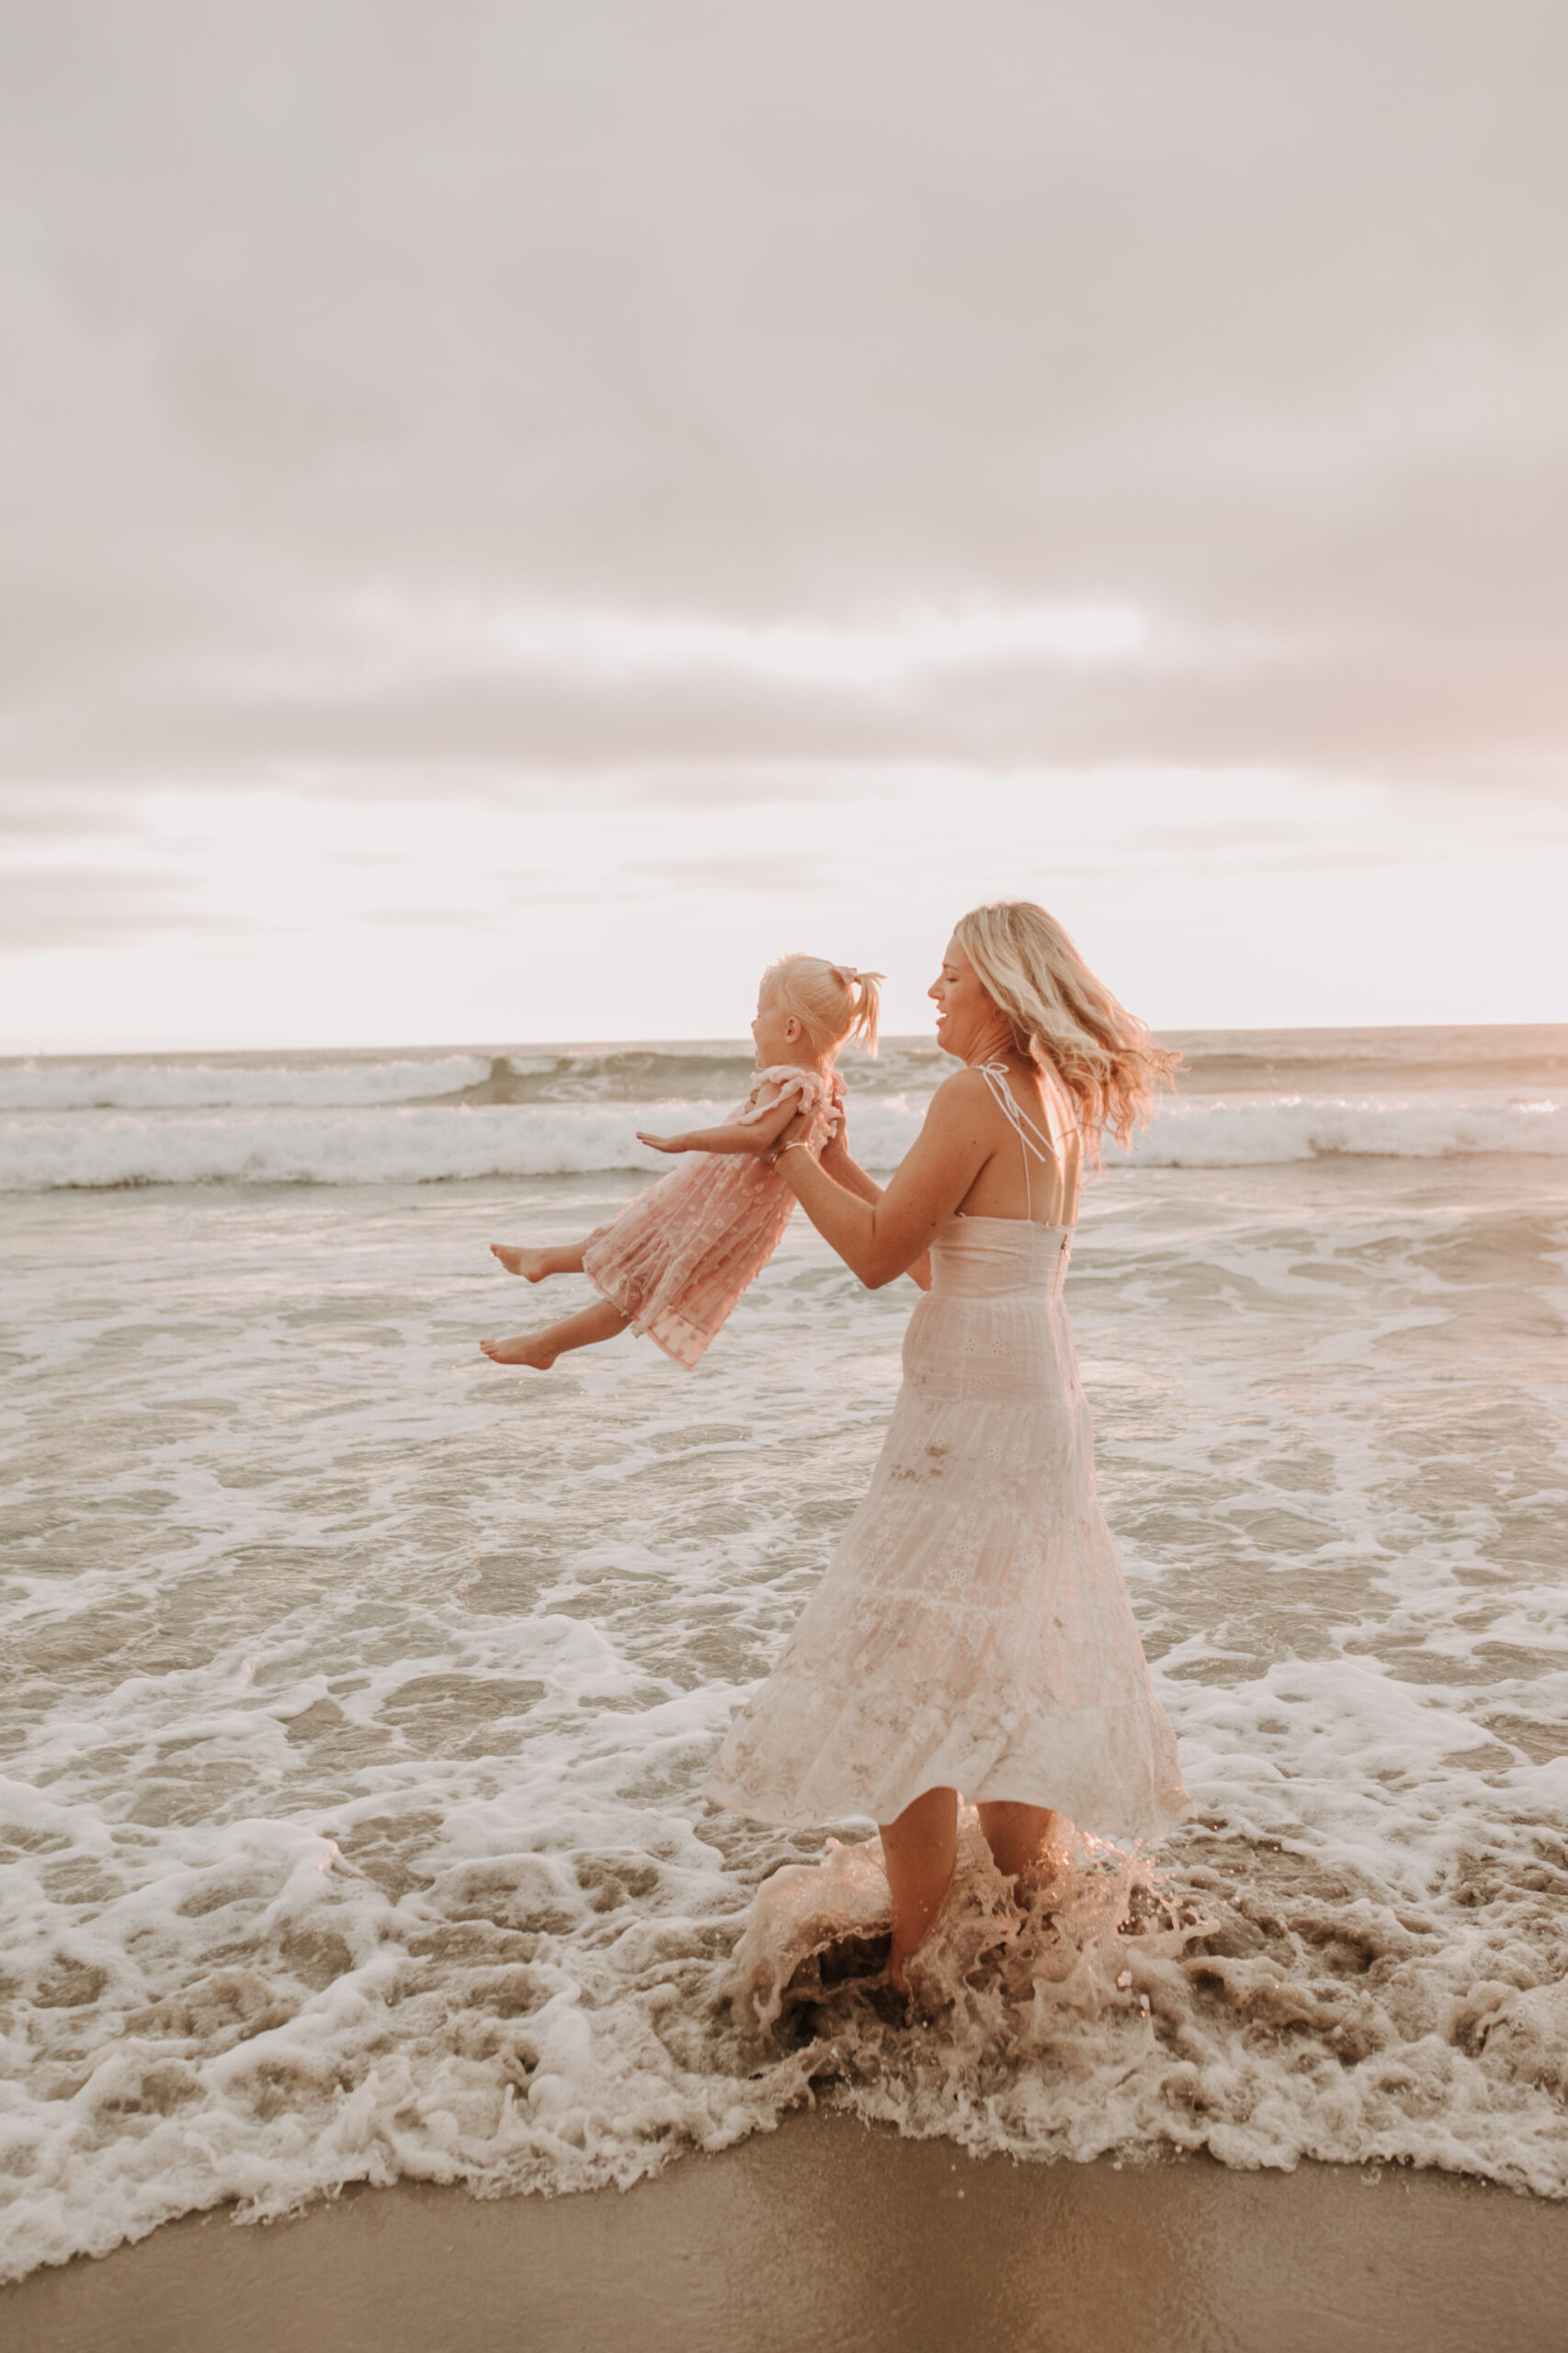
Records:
x=825, y=2235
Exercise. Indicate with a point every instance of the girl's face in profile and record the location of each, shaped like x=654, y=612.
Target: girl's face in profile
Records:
x=777, y=1034
x=964, y=1012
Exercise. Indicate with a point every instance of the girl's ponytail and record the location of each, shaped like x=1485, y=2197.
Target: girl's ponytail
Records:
x=868, y=1004
x=832, y=1001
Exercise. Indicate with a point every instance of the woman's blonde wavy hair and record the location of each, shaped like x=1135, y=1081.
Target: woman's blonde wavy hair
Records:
x=832, y=1002
x=1064, y=1018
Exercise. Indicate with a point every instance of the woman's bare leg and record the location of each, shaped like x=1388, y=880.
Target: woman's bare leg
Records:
x=555, y=1259
x=539, y=1350
x=919, y=1850
x=1017, y=1834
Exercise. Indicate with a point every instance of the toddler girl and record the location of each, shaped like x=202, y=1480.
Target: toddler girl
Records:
x=676, y=1260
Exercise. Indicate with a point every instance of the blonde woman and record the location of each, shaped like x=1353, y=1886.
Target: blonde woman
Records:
x=972, y=1633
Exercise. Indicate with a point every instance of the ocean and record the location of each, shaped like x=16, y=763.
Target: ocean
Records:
x=358, y=1693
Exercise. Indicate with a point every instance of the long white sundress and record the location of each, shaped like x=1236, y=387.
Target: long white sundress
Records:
x=973, y=1629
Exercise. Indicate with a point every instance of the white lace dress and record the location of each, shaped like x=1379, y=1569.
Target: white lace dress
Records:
x=973, y=1629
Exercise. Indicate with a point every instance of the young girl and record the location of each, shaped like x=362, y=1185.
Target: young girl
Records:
x=676, y=1260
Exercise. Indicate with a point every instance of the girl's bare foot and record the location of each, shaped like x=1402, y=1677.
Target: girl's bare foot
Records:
x=528, y=1348
x=539, y=1350
x=533, y=1265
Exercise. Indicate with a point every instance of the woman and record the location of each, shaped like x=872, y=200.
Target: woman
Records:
x=972, y=1633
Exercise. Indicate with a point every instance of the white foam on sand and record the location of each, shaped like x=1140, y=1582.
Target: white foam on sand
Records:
x=351, y=1824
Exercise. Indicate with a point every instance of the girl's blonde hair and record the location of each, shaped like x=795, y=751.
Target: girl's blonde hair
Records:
x=832, y=1002
x=1063, y=1016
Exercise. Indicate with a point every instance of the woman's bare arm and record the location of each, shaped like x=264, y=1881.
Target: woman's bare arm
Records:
x=882, y=1238
x=846, y=1171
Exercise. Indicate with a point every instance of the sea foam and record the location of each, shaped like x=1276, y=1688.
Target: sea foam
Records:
x=359, y=1696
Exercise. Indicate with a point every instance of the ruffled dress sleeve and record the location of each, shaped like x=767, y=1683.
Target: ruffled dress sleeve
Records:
x=784, y=1078
x=819, y=1099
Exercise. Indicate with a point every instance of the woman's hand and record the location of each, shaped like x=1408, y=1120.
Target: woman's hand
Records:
x=795, y=1131
x=835, y=1156
x=663, y=1144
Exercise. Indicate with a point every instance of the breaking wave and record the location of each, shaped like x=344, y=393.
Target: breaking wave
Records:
x=1324, y=1065
x=402, y=1143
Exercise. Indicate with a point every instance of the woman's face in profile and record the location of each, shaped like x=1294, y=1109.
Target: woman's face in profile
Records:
x=964, y=1012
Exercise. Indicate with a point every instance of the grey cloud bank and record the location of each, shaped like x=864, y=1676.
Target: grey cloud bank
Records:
x=341, y=336
x=1248, y=318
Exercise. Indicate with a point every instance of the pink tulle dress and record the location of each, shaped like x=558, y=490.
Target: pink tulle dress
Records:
x=679, y=1255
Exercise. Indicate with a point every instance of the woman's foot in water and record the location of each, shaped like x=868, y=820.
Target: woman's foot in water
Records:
x=1019, y=1840
x=919, y=1851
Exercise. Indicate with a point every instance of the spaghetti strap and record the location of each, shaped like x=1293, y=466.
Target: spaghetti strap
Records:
x=1035, y=1141
x=995, y=1076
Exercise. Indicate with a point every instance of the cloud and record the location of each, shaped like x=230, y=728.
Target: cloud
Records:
x=284, y=866
x=712, y=410
x=99, y=907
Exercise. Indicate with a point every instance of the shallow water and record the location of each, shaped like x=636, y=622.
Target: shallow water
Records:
x=358, y=1693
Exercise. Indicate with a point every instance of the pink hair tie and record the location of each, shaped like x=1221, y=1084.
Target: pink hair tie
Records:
x=848, y=973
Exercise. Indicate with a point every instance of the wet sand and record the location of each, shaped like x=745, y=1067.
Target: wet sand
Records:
x=823, y=2235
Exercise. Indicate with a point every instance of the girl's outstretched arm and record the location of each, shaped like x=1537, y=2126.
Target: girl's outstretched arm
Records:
x=756, y=1136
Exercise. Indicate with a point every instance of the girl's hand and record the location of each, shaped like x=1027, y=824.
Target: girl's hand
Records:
x=663, y=1144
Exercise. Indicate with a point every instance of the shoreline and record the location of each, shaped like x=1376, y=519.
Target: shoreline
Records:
x=825, y=2233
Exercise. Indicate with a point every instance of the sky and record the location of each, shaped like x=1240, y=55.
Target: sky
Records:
x=516, y=515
